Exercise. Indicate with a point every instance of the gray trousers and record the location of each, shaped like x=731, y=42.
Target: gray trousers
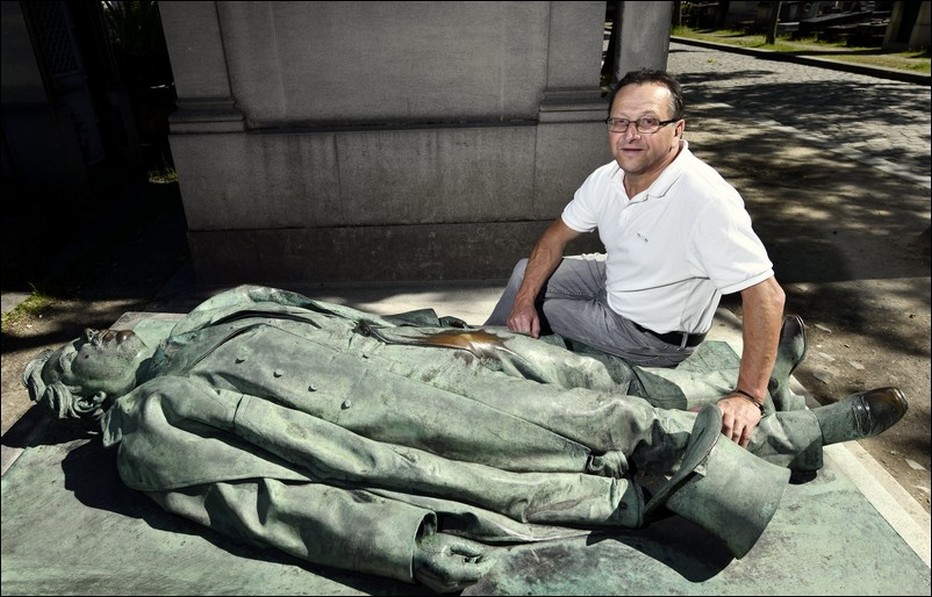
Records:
x=574, y=305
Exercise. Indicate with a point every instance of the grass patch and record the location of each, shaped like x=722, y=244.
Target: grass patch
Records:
x=915, y=61
x=31, y=307
x=165, y=175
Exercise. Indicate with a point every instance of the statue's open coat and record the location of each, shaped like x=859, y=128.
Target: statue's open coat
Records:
x=331, y=434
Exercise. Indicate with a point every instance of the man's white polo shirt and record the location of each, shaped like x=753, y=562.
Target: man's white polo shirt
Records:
x=673, y=249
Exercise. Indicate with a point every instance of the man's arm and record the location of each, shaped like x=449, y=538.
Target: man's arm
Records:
x=762, y=306
x=544, y=259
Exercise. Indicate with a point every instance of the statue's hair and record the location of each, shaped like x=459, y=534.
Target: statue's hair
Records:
x=63, y=401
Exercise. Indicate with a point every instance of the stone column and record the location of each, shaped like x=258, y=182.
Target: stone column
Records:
x=645, y=36
x=570, y=133
x=195, y=46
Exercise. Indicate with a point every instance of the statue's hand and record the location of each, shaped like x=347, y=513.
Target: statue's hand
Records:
x=446, y=563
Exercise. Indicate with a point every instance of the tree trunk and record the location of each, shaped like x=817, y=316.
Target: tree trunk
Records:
x=772, y=26
x=721, y=14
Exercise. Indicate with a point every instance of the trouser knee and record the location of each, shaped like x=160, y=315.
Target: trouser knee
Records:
x=500, y=313
x=517, y=274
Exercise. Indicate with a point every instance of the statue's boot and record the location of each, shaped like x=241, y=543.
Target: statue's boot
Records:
x=860, y=415
x=722, y=487
x=790, y=352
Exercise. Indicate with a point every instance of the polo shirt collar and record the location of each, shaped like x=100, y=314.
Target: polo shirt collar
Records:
x=671, y=173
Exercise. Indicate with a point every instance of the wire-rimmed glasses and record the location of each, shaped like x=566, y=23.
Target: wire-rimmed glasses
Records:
x=645, y=126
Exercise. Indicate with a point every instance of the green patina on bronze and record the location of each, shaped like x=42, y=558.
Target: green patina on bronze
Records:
x=414, y=451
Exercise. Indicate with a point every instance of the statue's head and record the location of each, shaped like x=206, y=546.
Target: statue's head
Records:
x=80, y=380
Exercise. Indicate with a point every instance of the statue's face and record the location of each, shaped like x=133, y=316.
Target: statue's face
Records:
x=100, y=360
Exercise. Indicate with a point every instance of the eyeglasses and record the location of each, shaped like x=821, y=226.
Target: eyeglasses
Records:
x=645, y=126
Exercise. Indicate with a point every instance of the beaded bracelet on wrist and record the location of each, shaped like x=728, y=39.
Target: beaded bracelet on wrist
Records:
x=752, y=398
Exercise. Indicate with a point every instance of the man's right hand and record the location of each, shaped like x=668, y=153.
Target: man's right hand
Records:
x=543, y=261
x=524, y=319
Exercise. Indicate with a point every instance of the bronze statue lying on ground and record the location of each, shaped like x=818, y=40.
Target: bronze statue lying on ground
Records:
x=412, y=447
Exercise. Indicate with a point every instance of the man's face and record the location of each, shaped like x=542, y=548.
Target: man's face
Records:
x=638, y=153
x=100, y=360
